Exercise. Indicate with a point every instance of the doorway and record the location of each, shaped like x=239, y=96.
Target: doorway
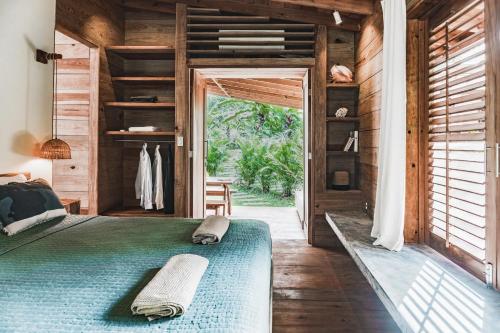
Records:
x=250, y=146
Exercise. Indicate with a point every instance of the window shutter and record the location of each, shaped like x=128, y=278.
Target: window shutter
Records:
x=457, y=146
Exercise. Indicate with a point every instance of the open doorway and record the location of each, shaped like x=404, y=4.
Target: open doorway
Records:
x=251, y=129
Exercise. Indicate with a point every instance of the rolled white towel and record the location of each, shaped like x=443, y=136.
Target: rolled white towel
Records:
x=211, y=230
x=172, y=289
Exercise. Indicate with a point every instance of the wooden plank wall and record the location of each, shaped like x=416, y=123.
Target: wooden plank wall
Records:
x=70, y=178
x=368, y=70
x=100, y=23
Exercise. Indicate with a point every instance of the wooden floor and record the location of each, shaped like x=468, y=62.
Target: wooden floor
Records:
x=316, y=290
x=322, y=290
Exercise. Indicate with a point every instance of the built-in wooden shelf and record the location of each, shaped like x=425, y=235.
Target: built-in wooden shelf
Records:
x=134, y=211
x=140, y=105
x=353, y=191
x=127, y=133
x=342, y=85
x=134, y=52
x=341, y=153
x=342, y=120
x=149, y=80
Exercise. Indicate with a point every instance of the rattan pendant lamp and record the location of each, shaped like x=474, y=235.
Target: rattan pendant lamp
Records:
x=55, y=148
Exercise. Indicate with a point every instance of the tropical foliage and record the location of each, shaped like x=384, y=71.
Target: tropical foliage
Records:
x=269, y=138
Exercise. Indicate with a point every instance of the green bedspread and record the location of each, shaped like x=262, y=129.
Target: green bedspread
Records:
x=81, y=275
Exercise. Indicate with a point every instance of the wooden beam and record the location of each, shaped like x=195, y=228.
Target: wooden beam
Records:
x=152, y=6
x=181, y=113
x=363, y=7
x=277, y=11
x=220, y=87
x=318, y=123
x=248, y=62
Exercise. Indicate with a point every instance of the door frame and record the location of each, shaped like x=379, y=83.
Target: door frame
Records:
x=197, y=149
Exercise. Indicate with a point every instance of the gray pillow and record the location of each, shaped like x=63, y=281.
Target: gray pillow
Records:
x=23, y=205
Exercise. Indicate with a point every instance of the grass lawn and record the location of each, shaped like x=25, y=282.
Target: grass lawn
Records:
x=250, y=197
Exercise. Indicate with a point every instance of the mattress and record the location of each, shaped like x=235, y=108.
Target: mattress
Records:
x=81, y=274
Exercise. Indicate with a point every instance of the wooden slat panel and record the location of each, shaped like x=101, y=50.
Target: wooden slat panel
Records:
x=457, y=150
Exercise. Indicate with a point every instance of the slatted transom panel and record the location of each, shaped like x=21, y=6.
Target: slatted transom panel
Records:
x=216, y=34
x=457, y=148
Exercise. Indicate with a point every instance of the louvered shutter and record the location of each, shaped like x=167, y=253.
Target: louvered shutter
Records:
x=457, y=146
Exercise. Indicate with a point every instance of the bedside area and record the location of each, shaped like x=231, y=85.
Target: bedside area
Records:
x=72, y=206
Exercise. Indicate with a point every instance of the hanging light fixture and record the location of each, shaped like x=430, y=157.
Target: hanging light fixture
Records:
x=54, y=149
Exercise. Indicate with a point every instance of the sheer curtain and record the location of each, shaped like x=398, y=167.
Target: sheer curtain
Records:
x=389, y=214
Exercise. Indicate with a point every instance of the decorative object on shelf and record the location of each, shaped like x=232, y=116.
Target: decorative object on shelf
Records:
x=341, y=112
x=352, y=141
x=341, y=181
x=341, y=74
x=144, y=99
x=348, y=143
x=54, y=149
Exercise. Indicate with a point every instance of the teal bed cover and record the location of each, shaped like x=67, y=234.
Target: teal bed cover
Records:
x=80, y=274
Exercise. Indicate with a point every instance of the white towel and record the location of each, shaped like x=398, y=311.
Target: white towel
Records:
x=172, y=289
x=211, y=230
x=144, y=180
x=158, y=179
x=143, y=129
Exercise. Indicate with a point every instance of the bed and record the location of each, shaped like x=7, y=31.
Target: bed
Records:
x=81, y=274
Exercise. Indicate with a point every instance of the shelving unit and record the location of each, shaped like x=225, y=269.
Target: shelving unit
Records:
x=338, y=131
x=140, y=70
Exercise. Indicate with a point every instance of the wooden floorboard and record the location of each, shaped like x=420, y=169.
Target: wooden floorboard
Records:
x=322, y=290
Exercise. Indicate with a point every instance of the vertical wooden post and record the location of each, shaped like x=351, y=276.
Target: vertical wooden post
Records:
x=413, y=95
x=492, y=28
x=319, y=119
x=94, y=131
x=181, y=112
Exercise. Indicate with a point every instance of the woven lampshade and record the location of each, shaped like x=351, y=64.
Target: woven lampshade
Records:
x=55, y=149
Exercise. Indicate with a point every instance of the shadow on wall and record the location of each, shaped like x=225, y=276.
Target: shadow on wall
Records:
x=25, y=144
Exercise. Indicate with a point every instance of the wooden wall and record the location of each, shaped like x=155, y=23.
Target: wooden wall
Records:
x=100, y=23
x=368, y=70
x=70, y=178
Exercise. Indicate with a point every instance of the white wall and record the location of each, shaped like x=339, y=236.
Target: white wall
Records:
x=25, y=85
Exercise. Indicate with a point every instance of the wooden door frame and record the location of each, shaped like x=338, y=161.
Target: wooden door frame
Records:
x=268, y=63
x=94, y=61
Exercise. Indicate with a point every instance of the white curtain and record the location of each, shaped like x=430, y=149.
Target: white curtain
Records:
x=389, y=214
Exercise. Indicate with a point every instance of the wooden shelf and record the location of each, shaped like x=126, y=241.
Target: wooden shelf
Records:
x=144, y=80
x=140, y=105
x=127, y=133
x=342, y=85
x=342, y=120
x=134, y=212
x=157, y=52
x=353, y=191
x=341, y=153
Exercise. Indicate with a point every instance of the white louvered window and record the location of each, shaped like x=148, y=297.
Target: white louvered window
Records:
x=457, y=146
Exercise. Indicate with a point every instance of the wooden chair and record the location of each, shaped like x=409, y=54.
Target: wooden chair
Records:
x=217, y=204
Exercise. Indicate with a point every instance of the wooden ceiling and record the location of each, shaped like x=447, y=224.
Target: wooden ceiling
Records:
x=306, y=11
x=281, y=92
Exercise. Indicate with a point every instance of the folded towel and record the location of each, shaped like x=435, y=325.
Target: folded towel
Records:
x=211, y=230
x=171, y=290
x=143, y=129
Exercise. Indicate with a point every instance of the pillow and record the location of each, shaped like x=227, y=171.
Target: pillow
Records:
x=20, y=178
x=23, y=205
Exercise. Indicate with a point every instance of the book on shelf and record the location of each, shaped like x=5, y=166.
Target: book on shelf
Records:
x=356, y=141
x=348, y=144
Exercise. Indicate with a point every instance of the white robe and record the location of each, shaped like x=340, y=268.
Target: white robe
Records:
x=158, y=180
x=144, y=180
